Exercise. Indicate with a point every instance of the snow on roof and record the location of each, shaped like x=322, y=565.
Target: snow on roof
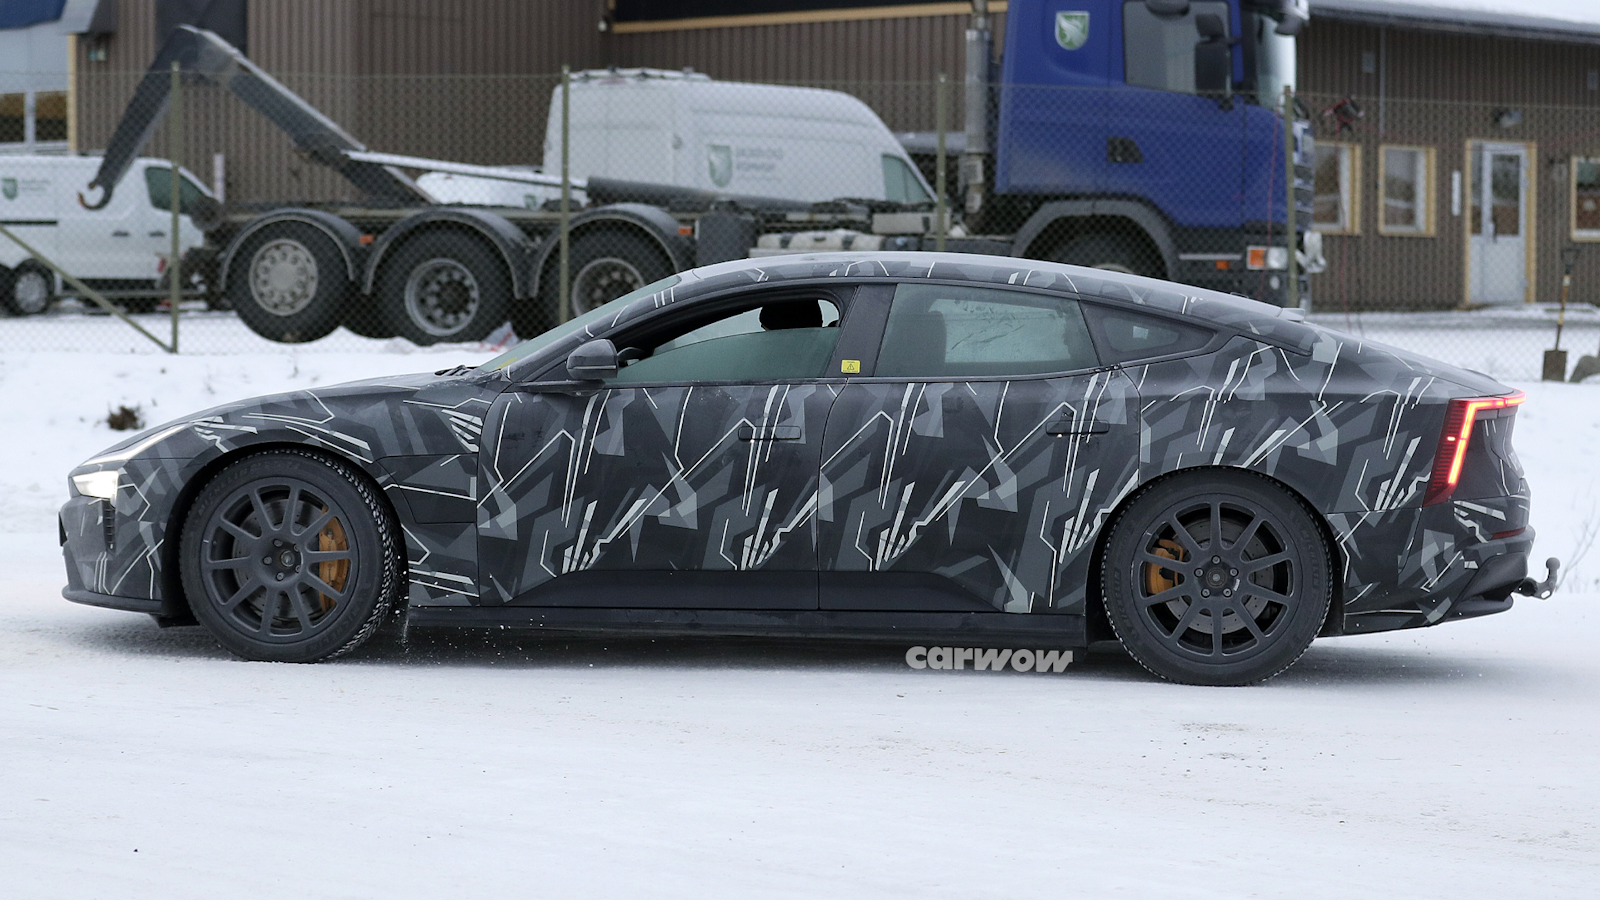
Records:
x=1572, y=20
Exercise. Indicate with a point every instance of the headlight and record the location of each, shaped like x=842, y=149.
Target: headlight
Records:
x=102, y=484
x=1266, y=257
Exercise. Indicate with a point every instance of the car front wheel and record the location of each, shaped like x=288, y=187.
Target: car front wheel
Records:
x=290, y=557
x=1216, y=578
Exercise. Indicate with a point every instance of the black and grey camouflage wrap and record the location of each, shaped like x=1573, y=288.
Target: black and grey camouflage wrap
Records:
x=502, y=489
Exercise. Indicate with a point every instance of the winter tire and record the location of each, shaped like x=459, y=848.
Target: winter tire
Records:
x=444, y=286
x=290, y=557
x=1111, y=252
x=1216, y=578
x=28, y=290
x=289, y=283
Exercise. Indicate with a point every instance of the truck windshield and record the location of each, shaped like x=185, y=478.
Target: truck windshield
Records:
x=1274, y=58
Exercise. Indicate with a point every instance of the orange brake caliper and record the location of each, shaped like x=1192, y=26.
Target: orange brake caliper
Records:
x=333, y=572
x=1157, y=579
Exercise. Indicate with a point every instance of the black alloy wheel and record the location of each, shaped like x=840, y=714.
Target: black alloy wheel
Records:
x=444, y=286
x=290, y=557
x=1217, y=578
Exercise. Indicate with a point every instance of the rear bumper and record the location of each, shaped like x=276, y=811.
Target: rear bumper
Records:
x=1479, y=580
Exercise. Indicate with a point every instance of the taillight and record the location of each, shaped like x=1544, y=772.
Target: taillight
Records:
x=1453, y=441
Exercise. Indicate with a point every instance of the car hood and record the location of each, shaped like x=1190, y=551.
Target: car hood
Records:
x=366, y=419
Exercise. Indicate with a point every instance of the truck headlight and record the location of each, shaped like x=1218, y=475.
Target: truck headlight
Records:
x=102, y=484
x=1266, y=257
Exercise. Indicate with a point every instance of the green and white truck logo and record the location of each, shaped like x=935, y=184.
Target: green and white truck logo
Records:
x=720, y=158
x=1072, y=29
x=8, y=186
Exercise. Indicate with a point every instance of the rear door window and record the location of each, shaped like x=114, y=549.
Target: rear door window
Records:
x=944, y=331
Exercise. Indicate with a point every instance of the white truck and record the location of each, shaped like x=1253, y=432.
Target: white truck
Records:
x=120, y=249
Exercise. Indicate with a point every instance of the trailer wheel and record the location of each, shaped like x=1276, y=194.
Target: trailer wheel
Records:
x=1113, y=253
x=28, y=289
x=288, y=283
x=444, y=286
x=605, y=265
x=363, y=317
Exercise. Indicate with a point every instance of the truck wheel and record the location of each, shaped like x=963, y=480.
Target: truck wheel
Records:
x=288, y=283
x=444, y=286
x=27, y=290
x=1113, y=253
x=605, y=265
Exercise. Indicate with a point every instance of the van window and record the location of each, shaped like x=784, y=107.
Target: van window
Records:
x=158, y=180
x=900, y=182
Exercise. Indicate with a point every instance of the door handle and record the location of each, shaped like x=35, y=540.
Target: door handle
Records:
x=769, y=432
x=119, y=233
x=158, y=234
x=1068, y=425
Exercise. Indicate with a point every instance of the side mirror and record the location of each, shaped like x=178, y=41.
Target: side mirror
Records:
x=1213, y=60
x=594, y=361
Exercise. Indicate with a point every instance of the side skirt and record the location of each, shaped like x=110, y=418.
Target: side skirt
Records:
x=1058, y=630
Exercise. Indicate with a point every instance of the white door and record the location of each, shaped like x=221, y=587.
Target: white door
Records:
x=117, y=240
x=1497, y=246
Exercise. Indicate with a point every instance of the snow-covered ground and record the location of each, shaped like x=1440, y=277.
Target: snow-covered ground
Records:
x=1457, y=761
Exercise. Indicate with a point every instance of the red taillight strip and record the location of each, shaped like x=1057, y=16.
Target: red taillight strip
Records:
x=1453, y=441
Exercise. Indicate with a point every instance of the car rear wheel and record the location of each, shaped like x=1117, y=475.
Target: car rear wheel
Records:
x=290, y=557
x=1217, y=578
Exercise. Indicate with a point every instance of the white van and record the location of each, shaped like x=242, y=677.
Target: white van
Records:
x=689, y=130
x=121, y=245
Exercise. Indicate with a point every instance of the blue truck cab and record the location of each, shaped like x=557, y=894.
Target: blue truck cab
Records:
x=1148, y=136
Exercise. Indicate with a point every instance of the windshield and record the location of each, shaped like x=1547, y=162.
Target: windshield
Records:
x=538, y=342
x=1274, y=59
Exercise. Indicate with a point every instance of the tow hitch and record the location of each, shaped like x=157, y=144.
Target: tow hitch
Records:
x=1542, y=590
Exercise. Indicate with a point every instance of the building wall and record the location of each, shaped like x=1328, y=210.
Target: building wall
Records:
x=1441, y=91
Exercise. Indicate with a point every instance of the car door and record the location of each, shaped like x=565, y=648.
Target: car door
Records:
x=687, y=480
x=974, y=466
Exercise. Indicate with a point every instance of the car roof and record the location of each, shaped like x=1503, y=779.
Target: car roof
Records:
x=1136, y=290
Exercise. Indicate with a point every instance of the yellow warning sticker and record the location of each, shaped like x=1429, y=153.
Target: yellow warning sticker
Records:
x=850, y=366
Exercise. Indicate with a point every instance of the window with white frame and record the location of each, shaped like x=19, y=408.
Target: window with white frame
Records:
x=1336, y=206
x=1586, y=198
x=1405, y=190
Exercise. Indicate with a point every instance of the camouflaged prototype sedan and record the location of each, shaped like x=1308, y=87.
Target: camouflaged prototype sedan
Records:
x=892, y=446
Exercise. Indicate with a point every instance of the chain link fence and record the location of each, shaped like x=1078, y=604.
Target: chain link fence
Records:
x=343, y=212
